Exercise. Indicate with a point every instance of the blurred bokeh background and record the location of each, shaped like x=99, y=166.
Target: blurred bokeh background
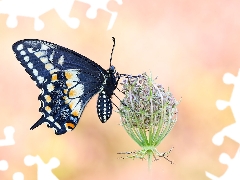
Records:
x=188, y=44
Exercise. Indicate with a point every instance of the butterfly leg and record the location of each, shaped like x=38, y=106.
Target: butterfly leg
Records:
x=124, y=75
x=119, y=99
x=129, y=76
x=120, y=90
x=115, y=105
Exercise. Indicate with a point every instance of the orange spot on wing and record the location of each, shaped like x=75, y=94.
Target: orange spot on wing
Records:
x=54, y=77
x=68, y=75
x=71, y=105
x=69, y=84
x=48, y=109
x=72, y=93
x=48, y=98
x=75, y=113
x=70, y=125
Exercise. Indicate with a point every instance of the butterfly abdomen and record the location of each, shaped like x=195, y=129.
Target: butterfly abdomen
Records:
x=104, y=106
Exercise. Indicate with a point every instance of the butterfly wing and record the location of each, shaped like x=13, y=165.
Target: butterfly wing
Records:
x=64, y=97
x=41, y=58
x=67, y=79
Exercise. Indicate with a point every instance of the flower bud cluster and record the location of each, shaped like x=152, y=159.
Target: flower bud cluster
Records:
x=148, y=112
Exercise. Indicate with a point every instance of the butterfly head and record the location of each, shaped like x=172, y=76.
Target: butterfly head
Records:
x=112, y=70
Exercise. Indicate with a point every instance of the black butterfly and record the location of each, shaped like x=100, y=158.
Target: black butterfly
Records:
x=68, y=81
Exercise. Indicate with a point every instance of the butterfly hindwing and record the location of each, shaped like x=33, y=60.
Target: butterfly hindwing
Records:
x=64, y=98
x=67, y=79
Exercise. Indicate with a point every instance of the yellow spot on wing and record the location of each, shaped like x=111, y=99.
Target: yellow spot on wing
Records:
x=72, y=75
x=48, y=109
x=49, y=66
x=67, y=101
x=48, y=98
x=44, y=59
x=73, y=103
x=68, y=75
x=72, y=93
x=65, y=91
x=75, y=113
x=69, y=84
x=54, y=77
x=76, y=91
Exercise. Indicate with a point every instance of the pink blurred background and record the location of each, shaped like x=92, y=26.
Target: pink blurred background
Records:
x=189, y=45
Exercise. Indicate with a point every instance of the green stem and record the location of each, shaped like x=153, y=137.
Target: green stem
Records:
x=150, y=156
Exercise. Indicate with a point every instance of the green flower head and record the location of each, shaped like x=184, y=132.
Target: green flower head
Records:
x=148, y=113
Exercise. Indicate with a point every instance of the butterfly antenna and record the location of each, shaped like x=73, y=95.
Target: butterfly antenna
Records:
x=113, y=38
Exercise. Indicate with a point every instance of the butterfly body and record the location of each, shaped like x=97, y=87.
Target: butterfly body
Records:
x=68, y=81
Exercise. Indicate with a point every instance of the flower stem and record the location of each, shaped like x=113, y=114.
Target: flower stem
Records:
x=150, y=156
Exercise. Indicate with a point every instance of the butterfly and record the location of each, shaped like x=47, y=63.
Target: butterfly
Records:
x=68, y=80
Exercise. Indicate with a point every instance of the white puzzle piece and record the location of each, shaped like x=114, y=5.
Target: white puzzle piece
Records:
x=36, y=8
x=101, y=4
x=233, y=172
x=44, y=170
x=18, y=176
x=232, y=131
x=8, y=132
x=3, y=165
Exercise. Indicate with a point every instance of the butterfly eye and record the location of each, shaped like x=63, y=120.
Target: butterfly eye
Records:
x=69, y=126
x=112, y=69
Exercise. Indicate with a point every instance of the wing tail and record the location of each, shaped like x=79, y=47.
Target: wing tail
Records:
x=38, y=123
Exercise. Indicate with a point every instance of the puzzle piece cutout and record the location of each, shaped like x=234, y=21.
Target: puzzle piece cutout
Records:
x=18, y=176
x=44, y=170
x=3, y=165
x=36, y=8
x=100, y=4
x=231, y=131
x=233, y=172
x=8, y=132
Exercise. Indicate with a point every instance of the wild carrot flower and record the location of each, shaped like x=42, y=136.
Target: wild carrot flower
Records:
x=148, y=113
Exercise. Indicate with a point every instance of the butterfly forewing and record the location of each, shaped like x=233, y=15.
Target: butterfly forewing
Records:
x=67, y=79
x=41, y=58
